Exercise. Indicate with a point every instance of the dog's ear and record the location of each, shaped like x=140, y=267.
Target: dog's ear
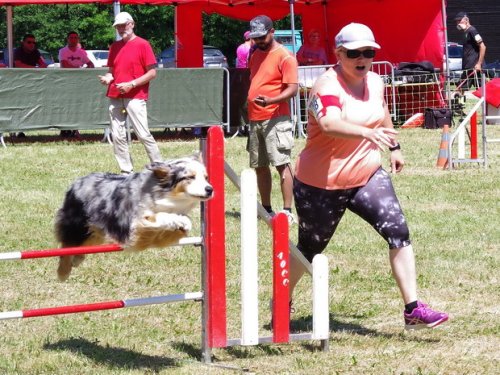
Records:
x=197, y=156
x=160, y=170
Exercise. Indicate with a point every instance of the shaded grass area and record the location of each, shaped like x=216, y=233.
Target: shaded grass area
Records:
x=453, y=218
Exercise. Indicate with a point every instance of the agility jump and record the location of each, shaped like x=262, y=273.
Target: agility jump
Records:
x=213, y=294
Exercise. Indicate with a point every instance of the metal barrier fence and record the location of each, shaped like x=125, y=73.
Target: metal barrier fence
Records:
x=467, y=134
x=406, y=94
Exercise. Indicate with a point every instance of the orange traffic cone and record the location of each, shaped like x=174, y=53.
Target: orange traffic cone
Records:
x=442, y=161
x=414, y=121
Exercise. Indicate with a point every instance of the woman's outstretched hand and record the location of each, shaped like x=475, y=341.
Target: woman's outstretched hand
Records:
x=382, y=137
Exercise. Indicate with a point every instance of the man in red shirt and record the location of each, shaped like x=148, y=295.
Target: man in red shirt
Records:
x=132, y=64
x=273, y=81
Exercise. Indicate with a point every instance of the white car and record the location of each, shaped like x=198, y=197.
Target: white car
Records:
x=454, y=60
x=98, y=57
x=455, y=56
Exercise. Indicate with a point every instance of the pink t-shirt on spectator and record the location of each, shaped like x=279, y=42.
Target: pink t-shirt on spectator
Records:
x=242, y=55
x=76, y=58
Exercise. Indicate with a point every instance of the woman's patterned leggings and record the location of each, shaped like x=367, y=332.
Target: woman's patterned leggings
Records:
x=320, y=211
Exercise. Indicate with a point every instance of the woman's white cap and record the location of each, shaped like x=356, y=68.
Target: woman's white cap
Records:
x=355, y=35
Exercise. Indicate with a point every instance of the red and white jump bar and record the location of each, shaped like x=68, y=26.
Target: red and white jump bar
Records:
x=33, y=254
x=109, y=305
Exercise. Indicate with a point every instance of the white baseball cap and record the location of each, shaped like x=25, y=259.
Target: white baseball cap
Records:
x=355, y=35
x=122, y=18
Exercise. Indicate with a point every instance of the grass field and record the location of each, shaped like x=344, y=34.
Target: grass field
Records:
x=453, y=217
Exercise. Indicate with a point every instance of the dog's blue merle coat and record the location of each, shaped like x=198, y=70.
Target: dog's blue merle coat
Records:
x=111, y=201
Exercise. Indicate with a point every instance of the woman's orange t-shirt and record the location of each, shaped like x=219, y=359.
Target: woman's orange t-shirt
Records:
x=335, y=163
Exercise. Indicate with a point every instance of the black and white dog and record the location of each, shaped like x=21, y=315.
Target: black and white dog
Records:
x=139, y=211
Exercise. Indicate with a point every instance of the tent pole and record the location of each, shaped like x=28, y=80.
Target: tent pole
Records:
x=176, y=35
x=10, y=36
x=116, y=7
x=445, y=32
x=116, y=10
x=292, y=23
x=296, y=116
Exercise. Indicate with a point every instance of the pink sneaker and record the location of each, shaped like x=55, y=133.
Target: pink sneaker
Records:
x=424, y=317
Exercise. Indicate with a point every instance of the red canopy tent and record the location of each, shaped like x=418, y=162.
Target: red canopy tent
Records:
x=405, y=31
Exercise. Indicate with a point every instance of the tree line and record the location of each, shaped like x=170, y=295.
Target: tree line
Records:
x=51, y=23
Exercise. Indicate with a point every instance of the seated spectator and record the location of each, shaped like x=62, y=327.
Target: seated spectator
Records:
x=73, y=56
x=28, y=56
x=312, y=52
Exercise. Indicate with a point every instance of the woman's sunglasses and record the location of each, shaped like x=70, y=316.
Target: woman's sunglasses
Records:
x=355, y=53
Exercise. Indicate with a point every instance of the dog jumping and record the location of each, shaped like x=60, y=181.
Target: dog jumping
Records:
x=138, y=211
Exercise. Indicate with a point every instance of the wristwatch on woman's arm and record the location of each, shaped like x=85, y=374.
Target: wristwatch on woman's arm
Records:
x=396, y=147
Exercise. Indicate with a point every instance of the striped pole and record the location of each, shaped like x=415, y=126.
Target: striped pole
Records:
x=281, y=279
x=48, y=253
x=109, y=305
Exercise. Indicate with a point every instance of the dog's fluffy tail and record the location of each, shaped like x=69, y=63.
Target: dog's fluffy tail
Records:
x=71, y=225
x=71, y=229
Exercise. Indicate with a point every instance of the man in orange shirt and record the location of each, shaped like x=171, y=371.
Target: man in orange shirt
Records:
x=273, y=81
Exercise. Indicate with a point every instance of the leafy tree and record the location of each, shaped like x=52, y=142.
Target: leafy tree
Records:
x=224, y=33
x=154, y=23
x=51, y=23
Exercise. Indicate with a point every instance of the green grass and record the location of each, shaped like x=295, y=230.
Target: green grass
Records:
x=453, y=218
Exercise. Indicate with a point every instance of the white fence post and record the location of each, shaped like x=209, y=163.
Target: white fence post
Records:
x=249, y=263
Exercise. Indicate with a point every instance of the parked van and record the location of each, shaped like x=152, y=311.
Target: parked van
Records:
x=285, y=37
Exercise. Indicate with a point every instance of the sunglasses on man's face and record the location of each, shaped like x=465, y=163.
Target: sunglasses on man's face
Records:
x=355, y=53
x=30, y=42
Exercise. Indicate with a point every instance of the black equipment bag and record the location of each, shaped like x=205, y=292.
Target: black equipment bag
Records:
x=437, y=117
x=420, y=66
x=415, y=72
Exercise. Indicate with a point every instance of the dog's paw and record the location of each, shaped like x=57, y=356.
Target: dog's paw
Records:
x=174, y=222
x=77, y=260
x=167, y=221
x=183, y=223
x=64, y=268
